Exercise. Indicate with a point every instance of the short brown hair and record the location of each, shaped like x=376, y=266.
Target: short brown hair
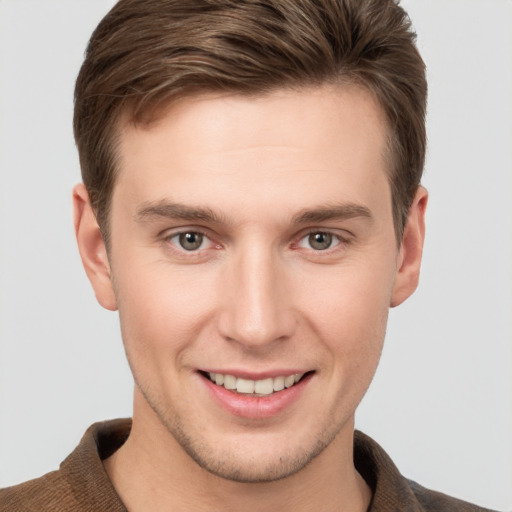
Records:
x=147, y=53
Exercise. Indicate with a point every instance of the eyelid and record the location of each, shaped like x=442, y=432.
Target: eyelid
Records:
x=343, y=239
x=169, y=234
x=205, y=241
x=174, y=231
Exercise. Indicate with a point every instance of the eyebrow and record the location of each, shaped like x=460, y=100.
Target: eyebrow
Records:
x=342, y=211
x=177, y=211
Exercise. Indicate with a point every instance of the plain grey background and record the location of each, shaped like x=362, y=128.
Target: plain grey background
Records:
x=441, y=402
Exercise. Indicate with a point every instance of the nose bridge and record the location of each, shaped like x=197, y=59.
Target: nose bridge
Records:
x=257, y=310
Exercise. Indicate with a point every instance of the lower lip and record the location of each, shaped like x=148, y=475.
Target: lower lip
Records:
x=256, y=407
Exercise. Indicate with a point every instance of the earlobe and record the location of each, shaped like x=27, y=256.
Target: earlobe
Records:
x=411, y=250
x=92, y=248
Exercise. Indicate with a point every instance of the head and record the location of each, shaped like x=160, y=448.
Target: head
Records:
x=249, y=168
x=141, y=59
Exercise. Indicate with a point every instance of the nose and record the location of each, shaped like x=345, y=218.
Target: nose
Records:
x=257, y=307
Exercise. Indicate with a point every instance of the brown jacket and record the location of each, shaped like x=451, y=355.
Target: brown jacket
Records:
x=81, y=483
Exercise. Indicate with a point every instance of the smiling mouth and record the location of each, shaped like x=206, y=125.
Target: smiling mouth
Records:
x=263, y=387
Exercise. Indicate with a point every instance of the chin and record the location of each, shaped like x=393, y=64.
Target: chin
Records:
x=249, y=464
x=252, y=457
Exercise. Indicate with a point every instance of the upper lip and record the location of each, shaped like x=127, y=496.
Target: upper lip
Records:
x=251, y=375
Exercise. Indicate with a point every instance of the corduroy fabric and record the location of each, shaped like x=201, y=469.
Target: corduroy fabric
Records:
x=82, y=485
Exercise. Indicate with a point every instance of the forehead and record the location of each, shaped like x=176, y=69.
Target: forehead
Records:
x=313, y=104
x=284, y=142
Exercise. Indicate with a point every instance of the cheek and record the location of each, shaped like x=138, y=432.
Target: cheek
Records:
x=351, y=322
x=353, y=294
x=348, y=309
x=162, y=310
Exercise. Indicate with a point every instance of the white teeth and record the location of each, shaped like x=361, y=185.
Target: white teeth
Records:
x=258, y=387
x=289, y=381
x=229, y=382
x=245, y=386
x=278, y=383
x=264, y=387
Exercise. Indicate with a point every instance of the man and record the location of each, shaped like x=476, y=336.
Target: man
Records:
x=252, y=207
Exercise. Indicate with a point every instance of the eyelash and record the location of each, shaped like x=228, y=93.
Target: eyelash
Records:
x=338, y=241
x=176, y=246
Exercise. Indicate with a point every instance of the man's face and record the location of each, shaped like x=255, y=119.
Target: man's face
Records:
x=253, y=238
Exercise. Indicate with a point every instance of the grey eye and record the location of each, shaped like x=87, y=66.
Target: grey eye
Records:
x=320, y=241
x=191, y=241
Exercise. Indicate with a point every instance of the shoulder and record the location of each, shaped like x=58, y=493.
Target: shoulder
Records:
x=431, y=501
x=393, y=492
x=49, y=492
x=81, y=483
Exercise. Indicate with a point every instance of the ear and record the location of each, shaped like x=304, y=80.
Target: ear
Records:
x=92, y=248
x=411, y=249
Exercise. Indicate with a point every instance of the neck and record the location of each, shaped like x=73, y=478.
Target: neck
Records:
x=151, y=471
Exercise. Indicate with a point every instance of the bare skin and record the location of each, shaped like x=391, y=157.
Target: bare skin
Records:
x=176, y=486
x=254, y=239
